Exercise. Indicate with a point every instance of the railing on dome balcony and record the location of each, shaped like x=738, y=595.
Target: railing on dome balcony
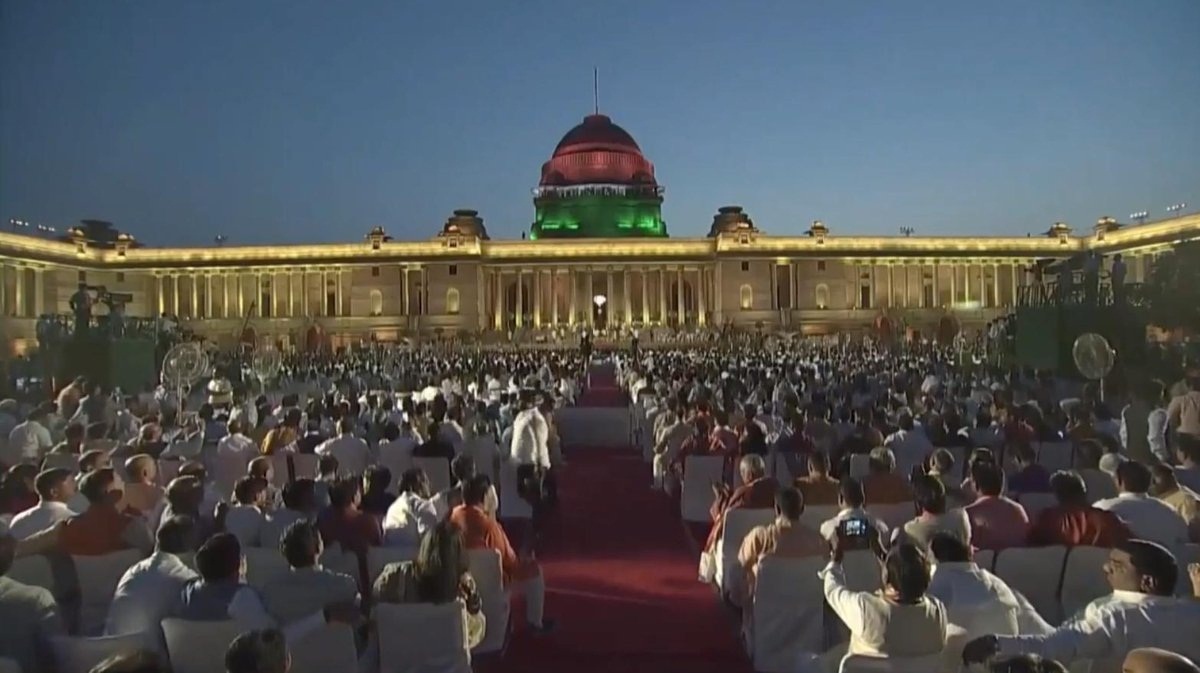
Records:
x=1077, y=294
x=571, y=191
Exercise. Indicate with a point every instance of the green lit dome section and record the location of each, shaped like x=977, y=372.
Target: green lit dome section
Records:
x=598, y=185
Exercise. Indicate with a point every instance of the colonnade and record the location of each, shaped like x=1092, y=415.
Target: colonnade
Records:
x=544, y=296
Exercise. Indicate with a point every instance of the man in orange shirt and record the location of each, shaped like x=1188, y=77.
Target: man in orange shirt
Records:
x=481, y=531
x=786, y=537
x=756, y=492
x=817, y=487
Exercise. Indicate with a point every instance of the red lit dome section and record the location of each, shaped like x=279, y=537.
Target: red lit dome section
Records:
x=597, y=151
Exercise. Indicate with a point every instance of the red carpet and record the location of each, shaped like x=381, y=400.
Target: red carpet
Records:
x=602, y=389
x=621, y=583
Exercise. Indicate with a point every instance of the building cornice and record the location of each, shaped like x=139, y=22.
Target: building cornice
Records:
x=39, y=250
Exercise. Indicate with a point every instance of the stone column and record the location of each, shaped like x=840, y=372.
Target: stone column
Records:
x=662, y=295
x=645, y=278
x=1014, y=269
x=591, y=293
x=19, y=291
x=718, y=300
x=700, y=319
x=626, y=286
x=679, y=317
x=554, y=274
x=338, y=305
x=39, y=292
x=996, y=285
x=574, y=292
x=520, y=307
x=773, y=285
x=608, y=294
x=891, y=278
x=499, y=280
x=3, y=290
x=425, y=290
x=907, y=289
x=175, y=295
x=538, y=276
x=953, y=284
x=967, y=282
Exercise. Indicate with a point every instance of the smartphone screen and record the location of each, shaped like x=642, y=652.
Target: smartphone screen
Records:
x=853, y=527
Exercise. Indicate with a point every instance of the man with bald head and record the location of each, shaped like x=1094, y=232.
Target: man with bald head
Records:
x=756, y=492
x=1154, y=660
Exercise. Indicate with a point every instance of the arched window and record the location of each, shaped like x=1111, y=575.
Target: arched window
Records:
x=376, y=302
x=822, y=295
x=747, y=297
x=452, y=300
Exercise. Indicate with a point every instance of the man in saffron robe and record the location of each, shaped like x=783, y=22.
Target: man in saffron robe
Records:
x=756, y=492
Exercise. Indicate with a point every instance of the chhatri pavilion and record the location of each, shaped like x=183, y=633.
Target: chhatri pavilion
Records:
x=598, y=255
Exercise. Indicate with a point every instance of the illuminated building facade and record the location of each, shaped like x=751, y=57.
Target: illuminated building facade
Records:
x=598, y=257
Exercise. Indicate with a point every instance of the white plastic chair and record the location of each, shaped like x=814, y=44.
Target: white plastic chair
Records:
x=1184, y=555
x=379, y=557
x=198, y=647
x=1035, y=572
x=489, y=581
x=857, y=663
x=438, y=471
x=1056, y=456
x=305, y=465
x=1083, y=579
x=34, y=571
x=895, y=515
x=1034, y=503
x=483, y=450
x=738, y=524
x=1100, y=485
x=421, y=638
x=63, y=461
x=815, y=515
x=786, y=617
x=699, y=472
x=98, y=579
x=860, y=466
x=329, y=649
x=79, y=655
x=986, y=559
x=168, y=470
x=512, y=505
x=264, y=565
x=862, y=570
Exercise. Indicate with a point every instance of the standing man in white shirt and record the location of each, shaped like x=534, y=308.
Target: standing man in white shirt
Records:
x=1147, y=517
x=150, y=590
x=530, y=451
x=352, y=453
x=30, y=440
x=1140, y=612
x=55, y=488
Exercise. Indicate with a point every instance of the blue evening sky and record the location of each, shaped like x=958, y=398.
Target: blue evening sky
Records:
x=297, y=121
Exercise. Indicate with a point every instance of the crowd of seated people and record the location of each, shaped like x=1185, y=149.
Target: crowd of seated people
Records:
x=194, y=525
x=868, y=431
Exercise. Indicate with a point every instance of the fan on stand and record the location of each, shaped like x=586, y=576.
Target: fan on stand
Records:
x=266, y=363
x=182, y=366
x=1094, y=357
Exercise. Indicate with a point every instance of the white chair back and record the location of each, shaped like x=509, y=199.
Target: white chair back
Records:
x=862, y=570
x=699, y=472
x=483, y=450
x=1035, y=572
x=1185, y=555
x=512, y=505
x=80, y=655
x=198, y=647
x=264, y=565
x=228, y=468
x=98, y=579
x=1100, y=485
x=1083, y=580
x=379, y=557
x=438, y=471
x=168, y=470
x=786, y=615
x=986, y=559
x=489, y=580
x=61, y=461
x=895, y=515
x=34, y=571
x=860, y=465
x=738, y=524
x=1034, y=503
x=857, y=663
x=305, y=465
x=421, y=638
x=780, y=470
x=1055, y=456
x=329, y=649
x=815, y=515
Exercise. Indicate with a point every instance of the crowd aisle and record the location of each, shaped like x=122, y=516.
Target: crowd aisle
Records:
x=621, y=578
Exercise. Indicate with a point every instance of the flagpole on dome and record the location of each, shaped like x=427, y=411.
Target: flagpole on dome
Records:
x=596, y=90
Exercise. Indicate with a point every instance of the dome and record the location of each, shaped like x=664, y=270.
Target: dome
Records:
x=596, y=130
x=597, y=151
x=731, y=220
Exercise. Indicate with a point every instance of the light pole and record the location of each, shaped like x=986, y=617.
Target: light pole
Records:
x=1176, y=210
x=1140, y=216
x=907, y=231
